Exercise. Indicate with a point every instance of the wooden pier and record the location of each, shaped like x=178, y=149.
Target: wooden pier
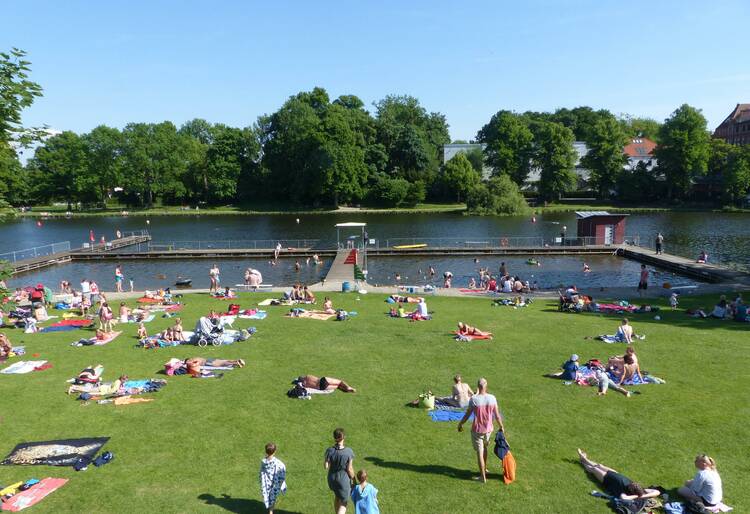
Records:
x=97, y=250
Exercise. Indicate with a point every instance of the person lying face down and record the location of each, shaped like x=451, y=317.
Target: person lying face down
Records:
x=195, y=365
x=324, y=383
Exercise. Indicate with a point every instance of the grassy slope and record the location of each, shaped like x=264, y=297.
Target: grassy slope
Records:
x=202, y=439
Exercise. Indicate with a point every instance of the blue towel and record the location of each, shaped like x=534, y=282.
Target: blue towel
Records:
x=259, y=315
x=447, y=415
x=61, y=328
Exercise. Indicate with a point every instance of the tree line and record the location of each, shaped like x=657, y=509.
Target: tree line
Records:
x=318, y=152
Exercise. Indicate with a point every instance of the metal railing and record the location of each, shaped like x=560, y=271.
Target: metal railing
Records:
x=36, y=251
x=134, y=233
x=239, y=244
x=493, y=242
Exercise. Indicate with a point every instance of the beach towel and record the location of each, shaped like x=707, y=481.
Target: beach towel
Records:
x=22, y=367
x=266, y=302
x=447, y=414
x=681, y=508
x=63, y=328
x=476, y=291
x=147, y=319
x=466, y=337
x=72, y=323
x=33, y=495
x=311, y=390
x=613, y=307
x=127, y=400
x=319, y=315
x=610, y=339
x=257, y=315
x=64, y=452
x=149, y=300
x=107, y=338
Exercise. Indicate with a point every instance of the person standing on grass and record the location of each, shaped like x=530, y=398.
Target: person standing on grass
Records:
x=338, y=462
x=119, y=277
x=643, y=281
x=213, y=275
x=272, y=476
x=659, y=243
x=484, y=407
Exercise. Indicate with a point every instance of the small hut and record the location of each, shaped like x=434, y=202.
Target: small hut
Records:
x=601, y=227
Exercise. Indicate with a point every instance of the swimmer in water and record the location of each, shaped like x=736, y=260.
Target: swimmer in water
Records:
x=586, y=268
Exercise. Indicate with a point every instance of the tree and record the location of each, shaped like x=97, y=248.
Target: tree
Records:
x=581, y=120
x=389, y=192
x=510, y=145
x=64, y=167
x=605, y=157
x=729, y=165
x=17, y=92
x=643, y=127
x=555, y=156
x=460, y=176
x=499, y=196
x=683, y=150
x=476, y=158
x=104, y=164
x=639, y=185
x=155, y=160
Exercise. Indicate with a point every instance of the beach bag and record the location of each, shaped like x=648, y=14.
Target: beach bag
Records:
x=427, y=401
x=342, y=315
x=298, y=391
x=233, y=309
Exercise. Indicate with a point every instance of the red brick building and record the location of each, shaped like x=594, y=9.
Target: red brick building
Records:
x=735, y=129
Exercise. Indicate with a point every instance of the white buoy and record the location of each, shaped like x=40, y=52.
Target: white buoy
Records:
x=297, y=221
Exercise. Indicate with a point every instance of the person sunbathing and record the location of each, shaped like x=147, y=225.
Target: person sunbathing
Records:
x=195, y=365
x=124, y=313
x=468, y=330
x=308, y=295
x=624, y=332
x=142, y=332
x=462, y=393
x=705, y=487
x=101, y=389
x=167, y=335
x=325, y=383
x=5, y=347
x=177, y=330
x=405, y=299
x=328, y=306
x=614, y=483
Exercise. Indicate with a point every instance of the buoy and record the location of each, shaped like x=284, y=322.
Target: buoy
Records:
x=38, y=223
x=533, y=219
x=148, y=222
x=297, y=221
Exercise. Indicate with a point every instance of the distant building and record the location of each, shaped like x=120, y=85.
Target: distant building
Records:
x=450, y=151
x=640, y=150
x=735, y=129
x=582, y=174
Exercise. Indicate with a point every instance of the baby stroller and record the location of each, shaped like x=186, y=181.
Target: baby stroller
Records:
x=207, y=331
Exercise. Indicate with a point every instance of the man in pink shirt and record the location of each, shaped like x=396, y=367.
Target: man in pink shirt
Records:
x=484, y=407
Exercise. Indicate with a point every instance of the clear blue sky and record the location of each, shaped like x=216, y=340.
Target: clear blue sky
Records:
x=230, y=61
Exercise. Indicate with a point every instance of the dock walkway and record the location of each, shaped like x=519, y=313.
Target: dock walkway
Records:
x=342, y=268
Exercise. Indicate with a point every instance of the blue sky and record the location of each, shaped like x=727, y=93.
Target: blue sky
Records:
x=115, y=62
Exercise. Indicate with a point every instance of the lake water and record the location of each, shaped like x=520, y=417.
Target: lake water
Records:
x=723, y=235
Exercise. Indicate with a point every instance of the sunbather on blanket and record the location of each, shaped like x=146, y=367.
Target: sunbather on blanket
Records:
x=5, y=347
x=462, y=393
x=625, y=334
x=405, y=299
x=101, y=388
x=325, y=383
x=625, y=367
x=328, y=306
x=468, y=330
x=705, y=487
x=195, y=365
x=614, y=483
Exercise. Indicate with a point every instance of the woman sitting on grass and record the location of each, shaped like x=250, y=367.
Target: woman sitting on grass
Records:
x=614, y=483
x=142, y=332
x=177, y=330
x=625, y=367
x=325, y=383
x=308, y=295
x=328, y=306
x=124, y=313
x=5, y=347
x=468, y=330
x=705, y=487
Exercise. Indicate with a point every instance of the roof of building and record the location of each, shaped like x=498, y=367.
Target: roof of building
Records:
x=639, y=147
x=742, y=111
x=591, y=214
x=350, y=224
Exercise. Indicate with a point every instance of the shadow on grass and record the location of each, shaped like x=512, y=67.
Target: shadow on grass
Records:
x=239, y=505
x=433, y=469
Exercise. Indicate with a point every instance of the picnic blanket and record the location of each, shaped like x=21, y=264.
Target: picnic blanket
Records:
x=149, y=300
x=447, y=414
x=319, y=315
x=584, y=373
x=33, y=495
x=610, y=339
x=614, y=307
x=108, y=338
x=64, y=452
x=257, y=315
x=311, y=390
x=23, y=367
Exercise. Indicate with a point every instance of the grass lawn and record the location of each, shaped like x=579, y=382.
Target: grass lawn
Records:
x=197, y=447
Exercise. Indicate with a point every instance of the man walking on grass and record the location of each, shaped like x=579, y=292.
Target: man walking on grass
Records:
x=484, y=407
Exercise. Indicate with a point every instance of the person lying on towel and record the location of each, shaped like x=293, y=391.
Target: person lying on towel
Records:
x=102, y=388
x=467, y=330
x=195, y=365
x=405, y=299
x=324, y=383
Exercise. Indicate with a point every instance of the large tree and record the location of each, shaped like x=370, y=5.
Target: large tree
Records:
x=510, y=145
x=63, y=164
x=460, y=176
x=684, y=149
x=605, y=158
x=644, y=127
x=17, y=92
x=498, y=196
x=555, y=157
x=729, y=166
x=104, y=160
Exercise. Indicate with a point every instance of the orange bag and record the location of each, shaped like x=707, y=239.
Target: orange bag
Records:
x=509, y=468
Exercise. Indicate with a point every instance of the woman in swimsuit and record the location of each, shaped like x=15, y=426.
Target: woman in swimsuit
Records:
x=468, y=330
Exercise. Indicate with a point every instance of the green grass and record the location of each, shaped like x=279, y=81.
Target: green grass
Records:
x=203, y=439
x=264, y=209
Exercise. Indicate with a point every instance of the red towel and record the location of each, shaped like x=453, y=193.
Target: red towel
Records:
x=33, y=495
x=72, y=323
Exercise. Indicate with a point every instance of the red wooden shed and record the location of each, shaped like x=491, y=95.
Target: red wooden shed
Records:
x=601, y=227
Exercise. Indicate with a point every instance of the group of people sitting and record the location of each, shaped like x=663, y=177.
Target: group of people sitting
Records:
x=505, y=284
x=619, y=370
x=703, y=492
x=420, y=313
x=171, y=334
x=724, y=309
x=300, y=294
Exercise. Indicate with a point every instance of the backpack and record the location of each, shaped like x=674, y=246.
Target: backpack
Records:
x=298, y=391
x=342, y=315
x=634, y=506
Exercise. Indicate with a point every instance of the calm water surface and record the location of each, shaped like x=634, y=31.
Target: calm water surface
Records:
x=723, y=235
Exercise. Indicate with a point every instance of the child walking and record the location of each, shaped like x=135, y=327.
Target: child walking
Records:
x=365, y=495
x=272, y=477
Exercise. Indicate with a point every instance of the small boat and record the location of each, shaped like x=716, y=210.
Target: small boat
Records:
x=532, y=262
x=183, y=282
x=407, y=247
